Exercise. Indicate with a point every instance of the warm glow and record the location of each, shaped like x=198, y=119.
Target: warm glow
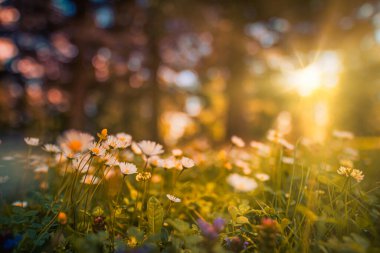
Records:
x=323, y=72
x=305, y=80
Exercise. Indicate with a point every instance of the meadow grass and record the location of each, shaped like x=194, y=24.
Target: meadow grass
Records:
x=111, y=194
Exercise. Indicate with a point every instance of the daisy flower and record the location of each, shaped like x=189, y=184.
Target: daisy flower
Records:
x=177, y=152
x=110, y=160
x=286, y=144
x=288, y=160
x=262, y=177
x=97, y=150
x=51, y=148
x=241, y=183
x=150, y=148
x=187, y=162
x=112, y=142
x=32, y=141
x=173, y=198
x=156, y=161
x=127, y=168
x=169, y=163
x=73, y=142
x=275, y=136
x=125, y=139
x=237, y=141
x=135, y=148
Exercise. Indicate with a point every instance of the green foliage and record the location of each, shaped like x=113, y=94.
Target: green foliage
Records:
x=155, y=213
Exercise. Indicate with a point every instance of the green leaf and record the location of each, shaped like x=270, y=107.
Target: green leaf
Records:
x=233, y=212
x=242, y=220
x=155, y=215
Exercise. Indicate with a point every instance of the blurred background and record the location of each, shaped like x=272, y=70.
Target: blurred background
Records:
x=177, y=70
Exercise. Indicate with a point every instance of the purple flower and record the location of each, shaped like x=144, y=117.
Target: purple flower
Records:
x=219, y=224
x=211, y=231
x=207, y=229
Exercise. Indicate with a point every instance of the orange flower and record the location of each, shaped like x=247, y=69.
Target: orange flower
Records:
x=103, y=134
x=62, y=218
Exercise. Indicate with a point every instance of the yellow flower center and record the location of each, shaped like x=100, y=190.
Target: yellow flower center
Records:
x=75, y=145
x=95, y=150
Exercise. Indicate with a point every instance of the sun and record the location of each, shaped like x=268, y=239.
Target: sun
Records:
x=305, y=80
x=322, y=72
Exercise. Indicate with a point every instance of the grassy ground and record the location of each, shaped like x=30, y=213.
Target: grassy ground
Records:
x=117, y=195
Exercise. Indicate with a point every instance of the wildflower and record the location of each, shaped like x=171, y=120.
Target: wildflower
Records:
x=132, y=241
x=41, y=169
x=262, y=177
x=73, y=142
x=211, y=230
x=344, y=171
x=274, y=136
x=344, y=135
x=357, y=175
x=288, y=160
x=103, y=134
x=113, y=142
x=237, y=141
x=90, y=179
x=125, y=139
x=127, y=168
x=150, y=148
x=268, y=234
x=156, y=161
x=173, y=198
x=97, y=150
x=262, y=149
x=235, y=244
x=177, y=152
x=170, y=163
x=51, y=148
x=219, y=224
x=143, y=176
x=187, y=162
x=135, y=148
x=110, y=160
x=99, y=223
x=241, y=183
x=242, y=164
x=62, y=218
x=354, y=173
x=20, y=203
x=31, y=141
x=286, y=144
